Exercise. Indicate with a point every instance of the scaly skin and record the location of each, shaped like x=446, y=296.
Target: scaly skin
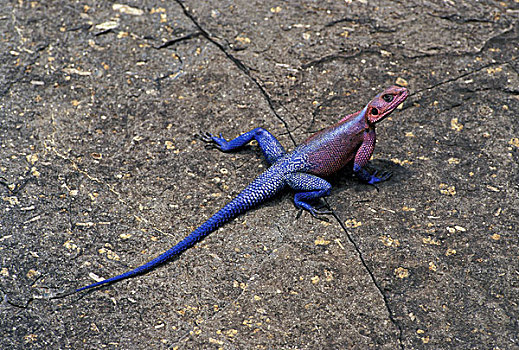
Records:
x=327, y=151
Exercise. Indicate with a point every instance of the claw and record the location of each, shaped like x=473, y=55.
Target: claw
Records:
x=214, y=141
x=211, y=146
x=206, y=136
x=315, y=212
x=379, y=176
x=210, y=140
x=385, y=175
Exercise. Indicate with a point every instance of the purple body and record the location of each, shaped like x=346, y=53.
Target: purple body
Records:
x=330, y=149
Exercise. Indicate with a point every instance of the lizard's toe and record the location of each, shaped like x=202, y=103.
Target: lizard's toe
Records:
x=212, y=141
x=211, y=146
x=385, y=175
x=318, y=213
x=379, y=176
x=315, y=212
x=206, y=136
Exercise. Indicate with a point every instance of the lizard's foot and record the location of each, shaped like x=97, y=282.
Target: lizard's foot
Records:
x=214, y=141
x=316, y=212
x=371, y=178
x=379, y=176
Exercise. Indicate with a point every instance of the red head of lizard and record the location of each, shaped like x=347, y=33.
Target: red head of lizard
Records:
x=385, y=103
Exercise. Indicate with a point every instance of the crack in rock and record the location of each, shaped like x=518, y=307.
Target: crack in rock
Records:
x=241, y=66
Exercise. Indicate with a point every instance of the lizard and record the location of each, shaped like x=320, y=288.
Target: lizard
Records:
x=352, y=138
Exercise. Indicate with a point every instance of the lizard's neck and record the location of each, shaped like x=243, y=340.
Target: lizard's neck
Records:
x=354, y=115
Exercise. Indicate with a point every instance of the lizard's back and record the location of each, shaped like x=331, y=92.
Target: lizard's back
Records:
x=332, y=148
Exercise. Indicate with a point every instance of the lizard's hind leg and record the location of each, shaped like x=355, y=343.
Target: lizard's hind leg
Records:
x=312, y=188
x=272, y=149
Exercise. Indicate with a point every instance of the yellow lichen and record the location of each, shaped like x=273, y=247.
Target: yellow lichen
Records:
x=400, y=272
x=456, y=125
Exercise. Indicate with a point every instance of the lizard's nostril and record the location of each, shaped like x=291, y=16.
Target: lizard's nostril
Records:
x=374, y=111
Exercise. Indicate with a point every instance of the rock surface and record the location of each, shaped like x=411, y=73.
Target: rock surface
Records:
x=101, y=170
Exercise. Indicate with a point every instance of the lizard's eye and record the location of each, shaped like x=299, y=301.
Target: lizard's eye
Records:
x=374, y=111
x=388, y=98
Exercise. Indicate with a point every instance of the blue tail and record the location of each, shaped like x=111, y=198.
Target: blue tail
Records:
x=262, y=188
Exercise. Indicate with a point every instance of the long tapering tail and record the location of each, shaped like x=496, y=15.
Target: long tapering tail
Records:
x=262, y=188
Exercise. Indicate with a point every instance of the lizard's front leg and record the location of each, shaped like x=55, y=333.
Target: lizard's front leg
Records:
x=312, y=187
x=272, y=149
x=362, y=157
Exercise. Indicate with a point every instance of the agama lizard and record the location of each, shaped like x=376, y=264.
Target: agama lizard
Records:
x=324, y=153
